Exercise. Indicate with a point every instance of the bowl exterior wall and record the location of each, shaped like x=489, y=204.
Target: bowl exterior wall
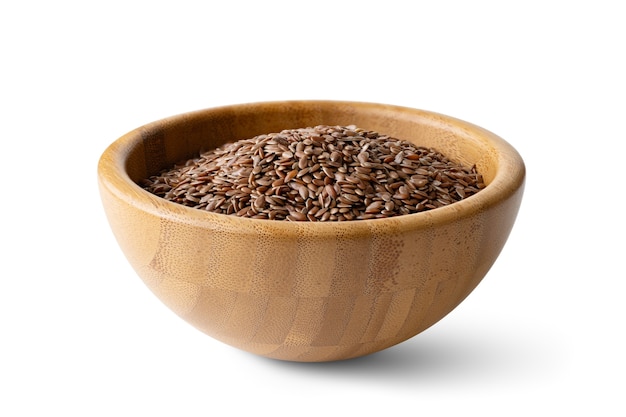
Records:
x=309, y=298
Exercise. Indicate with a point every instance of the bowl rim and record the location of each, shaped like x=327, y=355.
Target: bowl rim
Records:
x=509, y=178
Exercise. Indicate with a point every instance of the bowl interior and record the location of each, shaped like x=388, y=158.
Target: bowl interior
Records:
x=161, y=144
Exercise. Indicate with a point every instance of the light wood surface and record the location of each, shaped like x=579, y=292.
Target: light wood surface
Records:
x=309, y=291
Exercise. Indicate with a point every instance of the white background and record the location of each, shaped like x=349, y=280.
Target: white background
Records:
x=80, y=334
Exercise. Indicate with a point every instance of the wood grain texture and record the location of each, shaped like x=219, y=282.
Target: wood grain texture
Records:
x=309, y=291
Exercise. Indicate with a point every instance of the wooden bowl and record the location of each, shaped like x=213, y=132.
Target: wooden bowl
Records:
x=309, y=291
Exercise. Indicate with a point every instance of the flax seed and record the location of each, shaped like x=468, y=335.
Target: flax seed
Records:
x=322, y=173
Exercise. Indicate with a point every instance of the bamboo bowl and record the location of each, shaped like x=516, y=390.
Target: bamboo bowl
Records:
x=303, y=291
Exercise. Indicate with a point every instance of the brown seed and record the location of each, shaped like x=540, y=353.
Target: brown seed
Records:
x=291, y=175
x=297, y=216
x=260, y=201
x=330, y=190
x=350, y=197
x=375, y=207
x=304, y=192
x=419, y=182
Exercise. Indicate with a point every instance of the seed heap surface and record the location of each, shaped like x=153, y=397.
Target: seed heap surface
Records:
x=321, y=173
